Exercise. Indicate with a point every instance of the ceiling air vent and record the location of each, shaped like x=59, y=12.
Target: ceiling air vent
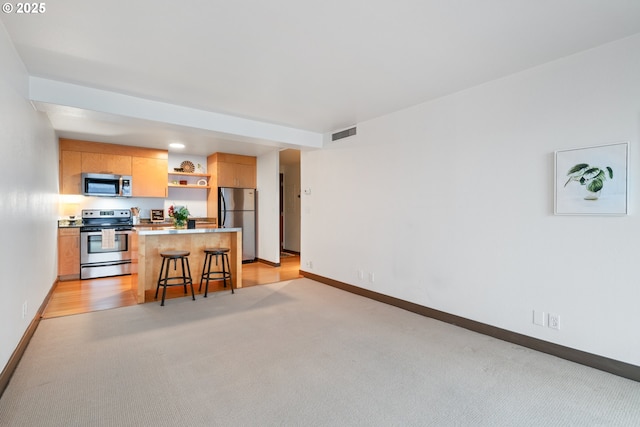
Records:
x=343, y=134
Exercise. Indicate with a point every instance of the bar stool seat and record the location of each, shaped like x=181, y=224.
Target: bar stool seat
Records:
x=181, y=280
x=224, y=274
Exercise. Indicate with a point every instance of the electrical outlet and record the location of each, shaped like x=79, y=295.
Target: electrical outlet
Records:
x=554, y=321
x=24, y=310
x=309, y=265
x=372, y=277
x=360, y=275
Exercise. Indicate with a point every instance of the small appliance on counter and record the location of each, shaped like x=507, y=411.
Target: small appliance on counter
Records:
x=74, y=221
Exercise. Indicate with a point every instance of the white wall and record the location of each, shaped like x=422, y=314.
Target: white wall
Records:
x=28, y=202
x=449, y=204
x=268, y=177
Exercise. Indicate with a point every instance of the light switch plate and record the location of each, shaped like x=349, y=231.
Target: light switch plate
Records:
x=538, y=317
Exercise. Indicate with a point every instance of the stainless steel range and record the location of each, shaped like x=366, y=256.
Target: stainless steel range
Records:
x=105, y=243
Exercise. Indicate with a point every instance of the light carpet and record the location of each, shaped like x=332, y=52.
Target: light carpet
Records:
x=296, y=353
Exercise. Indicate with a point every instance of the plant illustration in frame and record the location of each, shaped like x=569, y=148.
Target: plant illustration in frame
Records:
x=592, y=177
x=592, y=180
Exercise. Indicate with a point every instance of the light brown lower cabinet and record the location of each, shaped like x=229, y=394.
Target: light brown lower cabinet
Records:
x=68, y=253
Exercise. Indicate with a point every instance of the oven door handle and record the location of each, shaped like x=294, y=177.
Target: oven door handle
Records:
x=99, y=233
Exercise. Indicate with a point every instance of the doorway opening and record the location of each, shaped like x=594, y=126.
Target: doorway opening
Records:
x=290, y=203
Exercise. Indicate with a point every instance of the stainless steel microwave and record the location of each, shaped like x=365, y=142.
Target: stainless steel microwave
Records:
x=99, y=184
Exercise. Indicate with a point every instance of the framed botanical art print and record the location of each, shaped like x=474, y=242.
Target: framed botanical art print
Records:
x=592, y=180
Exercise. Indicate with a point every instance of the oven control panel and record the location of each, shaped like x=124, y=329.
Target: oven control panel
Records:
x=106, y=213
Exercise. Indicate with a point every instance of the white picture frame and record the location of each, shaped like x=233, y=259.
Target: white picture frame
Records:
x=580, y=171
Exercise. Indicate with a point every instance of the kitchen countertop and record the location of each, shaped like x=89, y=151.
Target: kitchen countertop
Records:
x=65, y=223
x=145, y=222
x=143, y=231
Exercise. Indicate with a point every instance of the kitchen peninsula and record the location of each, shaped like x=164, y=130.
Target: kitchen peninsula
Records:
x=148, y=243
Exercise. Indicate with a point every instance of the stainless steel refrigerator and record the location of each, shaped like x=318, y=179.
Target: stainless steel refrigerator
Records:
x=237, y=208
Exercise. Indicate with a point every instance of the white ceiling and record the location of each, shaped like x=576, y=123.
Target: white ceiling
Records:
x=318, y=66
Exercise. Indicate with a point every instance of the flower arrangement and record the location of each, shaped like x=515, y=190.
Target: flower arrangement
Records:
x=179, y=215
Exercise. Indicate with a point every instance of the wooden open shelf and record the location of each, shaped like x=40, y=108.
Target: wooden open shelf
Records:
x=196, y=175
x=205, y=175
x=188, y=185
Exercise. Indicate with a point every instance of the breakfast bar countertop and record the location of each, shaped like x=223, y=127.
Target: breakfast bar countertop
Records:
x=173, y=230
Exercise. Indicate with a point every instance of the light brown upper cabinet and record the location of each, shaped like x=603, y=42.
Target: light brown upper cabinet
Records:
x=148, y=167
x=115, y=164
x=236, y=175
x=229, y=170
x=70, y=172
x=149, y=177
x=232, y=170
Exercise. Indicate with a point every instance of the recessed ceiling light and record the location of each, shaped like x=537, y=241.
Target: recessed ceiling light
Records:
x=176, y=145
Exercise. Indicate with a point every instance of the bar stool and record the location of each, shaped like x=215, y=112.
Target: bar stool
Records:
x=224, y=274
x=182, y=280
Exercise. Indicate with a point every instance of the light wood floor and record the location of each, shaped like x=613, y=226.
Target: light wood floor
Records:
x=83, y=296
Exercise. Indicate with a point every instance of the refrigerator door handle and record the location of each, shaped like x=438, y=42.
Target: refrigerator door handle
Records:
x=224, y=210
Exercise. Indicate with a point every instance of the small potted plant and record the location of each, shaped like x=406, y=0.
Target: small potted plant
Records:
x=592, y=177
x=179, y=215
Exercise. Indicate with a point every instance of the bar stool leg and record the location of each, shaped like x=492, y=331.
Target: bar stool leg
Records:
x=224, y=271
x=166, y=279
x=160, y=277
x=224, y=283
x=184, y=280
x=205, y=273
x=226, y=257
x=188, y=277
x=204, y=266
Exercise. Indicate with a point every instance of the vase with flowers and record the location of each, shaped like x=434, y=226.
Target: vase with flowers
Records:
x=179, y=215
